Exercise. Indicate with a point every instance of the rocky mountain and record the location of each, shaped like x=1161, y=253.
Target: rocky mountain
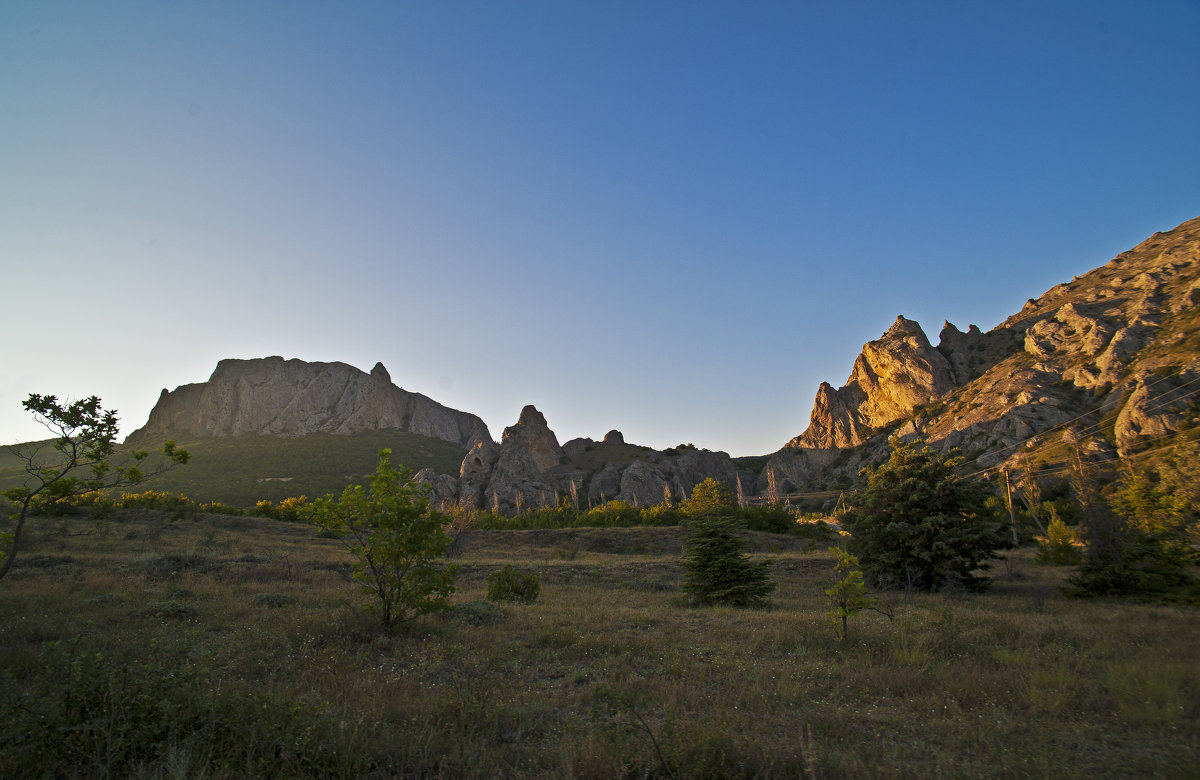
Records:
x=281, y=397
x=1109, y=361
x=529, y=469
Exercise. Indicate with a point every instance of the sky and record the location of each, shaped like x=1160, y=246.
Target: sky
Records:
x=675, y=219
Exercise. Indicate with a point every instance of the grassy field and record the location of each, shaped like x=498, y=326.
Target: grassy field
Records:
x=235, y=646
x=241, y=470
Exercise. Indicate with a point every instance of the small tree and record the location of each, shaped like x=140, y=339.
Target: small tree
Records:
x=78, y=459
x=709, y=497
x=395, y=537
x=918, y=524
x=1058, y=547
x=849, y=595
x=717, y=571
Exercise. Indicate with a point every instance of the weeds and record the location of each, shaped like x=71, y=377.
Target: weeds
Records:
x=121, y=672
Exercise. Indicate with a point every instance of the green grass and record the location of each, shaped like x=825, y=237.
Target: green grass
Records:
x=242, y=470
x=218, y=646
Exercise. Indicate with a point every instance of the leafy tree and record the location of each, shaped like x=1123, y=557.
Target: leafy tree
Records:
x=918, y=524
x=717, y=570
x=849, y=595
x=395, y=537
x=708, y=497
x=78, y=459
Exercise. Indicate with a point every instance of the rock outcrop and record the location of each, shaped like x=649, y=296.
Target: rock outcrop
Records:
x=280, y=397
x=1118, y=344
x=530, y=470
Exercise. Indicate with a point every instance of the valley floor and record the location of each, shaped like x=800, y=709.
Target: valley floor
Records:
x=216, y=646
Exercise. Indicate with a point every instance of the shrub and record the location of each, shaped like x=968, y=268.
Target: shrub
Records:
x=660, y=515
x=771, y=518
x=611, y=514
x=1058, y=547
x=717, y=571
x=153, y=499
x=512, y=584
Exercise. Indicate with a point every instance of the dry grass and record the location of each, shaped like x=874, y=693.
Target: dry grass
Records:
x=606, y=675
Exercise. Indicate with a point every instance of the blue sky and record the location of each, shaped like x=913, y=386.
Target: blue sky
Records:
x=675, y=219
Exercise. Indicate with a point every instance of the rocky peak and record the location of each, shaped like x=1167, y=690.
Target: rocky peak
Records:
x=281, y=397
x=1118, y=343
x=529, y=443
x=892, y=376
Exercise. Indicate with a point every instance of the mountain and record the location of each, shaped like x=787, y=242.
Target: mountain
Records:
x=1109, y=362
x=296, y=427
x=278, y=397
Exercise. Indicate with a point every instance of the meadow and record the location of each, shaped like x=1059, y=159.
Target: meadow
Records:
x=148, y=644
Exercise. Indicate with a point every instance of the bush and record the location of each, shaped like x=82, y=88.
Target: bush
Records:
x=717, y=571
x=512, y=584
x=611, y=514
x=660, y=515
x=770, y=518
x=919, y=525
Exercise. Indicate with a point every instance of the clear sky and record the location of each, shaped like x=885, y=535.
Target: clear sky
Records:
x=671, y=218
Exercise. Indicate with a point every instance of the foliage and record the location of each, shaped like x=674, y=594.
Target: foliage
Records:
x=708, y=497
x=1112, y=686
x=919, y=525
x=513, y=584
x=660, y=515
x=849, y=595
x=80, y=461
x=1059, y=546
x=290, y=509
x=1139, y=545
x=395, y=536
x=612, y=514
x=717, y=570
x=152, y=499
x=769, y=518
x=91, y=716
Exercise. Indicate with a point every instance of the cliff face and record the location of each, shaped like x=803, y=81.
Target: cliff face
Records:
x=1119, y=344
x=529, y=470
x=281, y=397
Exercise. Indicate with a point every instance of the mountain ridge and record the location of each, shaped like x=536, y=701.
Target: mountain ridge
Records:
x=1119, y=344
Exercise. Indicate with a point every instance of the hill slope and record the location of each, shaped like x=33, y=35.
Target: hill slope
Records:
x=1109, y=362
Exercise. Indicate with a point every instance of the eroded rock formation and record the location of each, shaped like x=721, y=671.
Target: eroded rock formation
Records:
x=280, y=397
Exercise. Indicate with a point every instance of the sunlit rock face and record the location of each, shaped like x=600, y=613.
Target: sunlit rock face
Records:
x=893, y=376
x=1119, y=343
x=281, y=397
x=530, y=470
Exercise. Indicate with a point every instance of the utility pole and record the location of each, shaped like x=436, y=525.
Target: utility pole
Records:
x=1012, y=510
